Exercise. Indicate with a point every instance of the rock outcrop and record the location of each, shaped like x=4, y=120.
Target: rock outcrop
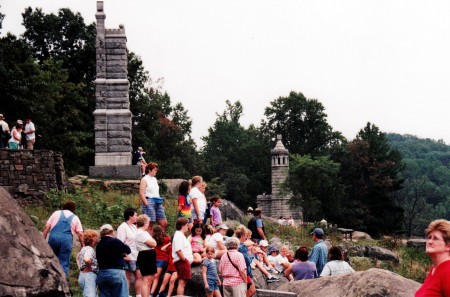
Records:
x=371, y=283
x=29, y=266
x=231, y=212
x=371, y=252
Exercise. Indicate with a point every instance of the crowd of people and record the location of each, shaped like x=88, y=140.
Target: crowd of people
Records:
x=143, y=251
x=19, y=136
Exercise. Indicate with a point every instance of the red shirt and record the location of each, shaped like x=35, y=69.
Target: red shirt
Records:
x=160, y=254
x=438, y=284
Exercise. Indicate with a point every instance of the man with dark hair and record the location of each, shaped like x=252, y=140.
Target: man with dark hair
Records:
x=256, y=225
x=62, y=224
x=319, y=252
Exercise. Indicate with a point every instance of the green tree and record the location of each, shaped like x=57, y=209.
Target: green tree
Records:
x=316, y=187
x=370, y=172
x=303, y=124
x=238, y=158
x=64, y=43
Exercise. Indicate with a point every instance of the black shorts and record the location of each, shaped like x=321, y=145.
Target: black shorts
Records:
x=146, y=261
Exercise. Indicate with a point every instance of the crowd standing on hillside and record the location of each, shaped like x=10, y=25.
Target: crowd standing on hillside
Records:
x=143, y=251
x=20, y=136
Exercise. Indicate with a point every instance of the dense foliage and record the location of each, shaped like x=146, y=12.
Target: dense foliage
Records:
x=426, y=191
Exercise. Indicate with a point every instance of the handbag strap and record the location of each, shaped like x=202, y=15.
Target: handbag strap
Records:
x=232, y=262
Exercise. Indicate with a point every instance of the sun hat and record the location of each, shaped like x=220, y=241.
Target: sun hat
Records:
x=263, y=243
x=106, y=227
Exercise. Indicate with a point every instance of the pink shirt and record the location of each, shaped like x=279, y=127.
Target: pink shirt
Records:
x=230, y=275
x=75, y=225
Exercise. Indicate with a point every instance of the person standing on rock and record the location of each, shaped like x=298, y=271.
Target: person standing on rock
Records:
x=256, y=225
x=438, y=248
x=62, y=225
x=319, y=253
x=151, y=201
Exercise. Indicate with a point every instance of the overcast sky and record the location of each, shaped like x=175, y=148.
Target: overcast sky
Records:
x=387, y=62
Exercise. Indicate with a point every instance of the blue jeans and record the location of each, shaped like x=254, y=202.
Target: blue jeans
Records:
x=86, y=280
x=112, y=283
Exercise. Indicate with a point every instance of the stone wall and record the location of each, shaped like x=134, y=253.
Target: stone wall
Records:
x=30, y=174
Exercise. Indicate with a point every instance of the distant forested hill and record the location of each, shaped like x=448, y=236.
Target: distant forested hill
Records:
x=426, y=191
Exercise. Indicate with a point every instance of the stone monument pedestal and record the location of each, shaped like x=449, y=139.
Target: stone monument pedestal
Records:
x=116, y=171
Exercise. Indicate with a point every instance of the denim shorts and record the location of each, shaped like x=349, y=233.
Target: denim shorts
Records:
x=212, y=284
x=161, y=264
x=155, y=211
x=131, y=266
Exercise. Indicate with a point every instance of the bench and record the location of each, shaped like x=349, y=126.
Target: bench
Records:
x=271, y=293
x=346, y=233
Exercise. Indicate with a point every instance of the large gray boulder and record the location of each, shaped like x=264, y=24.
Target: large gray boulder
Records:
x=230, y=211
x=375, y=252
x=29, y=266
x=371, y=283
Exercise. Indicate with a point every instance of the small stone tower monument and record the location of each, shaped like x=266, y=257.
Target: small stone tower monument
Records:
x=112, y=113
x=277, y=204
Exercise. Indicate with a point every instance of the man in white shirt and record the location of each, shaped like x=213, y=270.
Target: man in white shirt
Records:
x=4, y=132
x=30, y=134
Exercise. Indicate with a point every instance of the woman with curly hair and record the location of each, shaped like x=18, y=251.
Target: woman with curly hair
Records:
x=87, y=263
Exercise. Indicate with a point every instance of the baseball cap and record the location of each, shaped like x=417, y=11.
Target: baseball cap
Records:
x=263, y=243
x=106, y=227
x=222, y=226
x=318, y=231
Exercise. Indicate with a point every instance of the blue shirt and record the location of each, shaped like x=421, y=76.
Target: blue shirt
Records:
x=319, y=255
x=244, y=251
x=211, y=270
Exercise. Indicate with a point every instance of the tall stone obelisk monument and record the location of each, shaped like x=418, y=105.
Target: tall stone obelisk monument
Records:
x=112, y=110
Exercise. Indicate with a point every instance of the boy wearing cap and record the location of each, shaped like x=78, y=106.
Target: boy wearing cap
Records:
x=319, y=253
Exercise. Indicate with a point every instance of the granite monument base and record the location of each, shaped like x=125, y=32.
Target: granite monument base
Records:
x=117, y=171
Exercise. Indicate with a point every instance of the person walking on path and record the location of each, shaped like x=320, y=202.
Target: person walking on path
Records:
x=256, y=225
x=62, y=225
x=319, y=253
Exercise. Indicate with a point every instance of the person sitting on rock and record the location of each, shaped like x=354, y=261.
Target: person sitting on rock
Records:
x=197, y=240
x=281, y=261
x=336, y=264
x=302, y=269
x=217, y=242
